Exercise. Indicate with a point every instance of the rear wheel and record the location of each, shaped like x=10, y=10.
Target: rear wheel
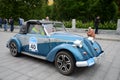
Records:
x=64, y=62
x=14, y=49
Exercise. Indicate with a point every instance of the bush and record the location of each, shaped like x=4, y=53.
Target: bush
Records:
x=68, y=24
x=79, y=24
x=108, y=25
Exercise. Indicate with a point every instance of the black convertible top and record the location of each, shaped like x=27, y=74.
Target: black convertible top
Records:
x=25, y=26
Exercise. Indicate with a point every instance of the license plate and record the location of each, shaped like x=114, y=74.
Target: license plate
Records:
x=90, y=62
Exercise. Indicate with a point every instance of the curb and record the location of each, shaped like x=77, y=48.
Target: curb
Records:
x=99, y=37
x=107, y=39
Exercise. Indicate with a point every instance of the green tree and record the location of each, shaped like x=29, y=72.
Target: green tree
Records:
x=118, y=3
x=106, y=9
x=85, y=10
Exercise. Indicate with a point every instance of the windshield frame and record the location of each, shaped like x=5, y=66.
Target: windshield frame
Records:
x=55, y=27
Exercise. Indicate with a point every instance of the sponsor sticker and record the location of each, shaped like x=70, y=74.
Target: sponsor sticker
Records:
x=33, y=44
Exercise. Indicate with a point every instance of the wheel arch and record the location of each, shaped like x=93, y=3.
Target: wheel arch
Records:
x=66, y=50
x=74, y=52
x=18, y=43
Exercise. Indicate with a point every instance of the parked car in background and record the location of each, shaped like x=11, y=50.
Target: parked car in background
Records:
x=50, y=41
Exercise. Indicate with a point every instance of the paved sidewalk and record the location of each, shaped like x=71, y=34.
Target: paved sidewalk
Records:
x=103, y=34
x=112, y=37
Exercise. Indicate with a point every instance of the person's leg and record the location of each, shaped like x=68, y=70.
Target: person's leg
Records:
x=0, y=25
x=5, y=27
x=96, y=29
x=11, y=28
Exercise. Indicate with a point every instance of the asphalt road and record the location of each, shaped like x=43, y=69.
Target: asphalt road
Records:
x=28, y=68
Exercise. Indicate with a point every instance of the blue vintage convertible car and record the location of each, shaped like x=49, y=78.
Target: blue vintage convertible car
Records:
x=50, y=41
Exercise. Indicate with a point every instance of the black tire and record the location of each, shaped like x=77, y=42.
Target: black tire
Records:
x=65, y=63
x=13, y=49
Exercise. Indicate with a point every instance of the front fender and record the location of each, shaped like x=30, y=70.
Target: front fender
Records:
x=17, y=42
x=74, y=51
x=98, y=48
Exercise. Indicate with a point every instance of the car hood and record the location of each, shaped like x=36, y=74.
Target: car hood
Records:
x=66, y=36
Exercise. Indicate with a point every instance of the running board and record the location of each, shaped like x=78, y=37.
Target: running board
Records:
x=36, y=56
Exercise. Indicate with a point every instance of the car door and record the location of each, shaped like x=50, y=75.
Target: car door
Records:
x=33, y=43
x=37, y=43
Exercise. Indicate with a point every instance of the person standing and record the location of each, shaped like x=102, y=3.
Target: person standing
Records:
x=91, y=34
x=47, y=18
x=21, y=21
x=5, y=24
x=11, y=21
x=96, y=24
x=0, y=22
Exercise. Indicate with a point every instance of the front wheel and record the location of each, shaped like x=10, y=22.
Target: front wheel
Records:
x=14, y=49
x=64, y=62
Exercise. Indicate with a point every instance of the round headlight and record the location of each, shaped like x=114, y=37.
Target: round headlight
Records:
x=78, y=43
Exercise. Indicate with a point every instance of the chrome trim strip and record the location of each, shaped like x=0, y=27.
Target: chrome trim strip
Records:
x=81, y=63
x=36, y=56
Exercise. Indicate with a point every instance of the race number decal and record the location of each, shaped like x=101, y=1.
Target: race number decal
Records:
x=33, y=44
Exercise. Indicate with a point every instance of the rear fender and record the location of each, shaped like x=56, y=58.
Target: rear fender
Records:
x=17, y=42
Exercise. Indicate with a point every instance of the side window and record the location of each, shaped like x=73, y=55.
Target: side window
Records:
x=30, y=28
x=36, y=29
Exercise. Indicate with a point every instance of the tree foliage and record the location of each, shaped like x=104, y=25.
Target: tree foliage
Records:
x=85, y=10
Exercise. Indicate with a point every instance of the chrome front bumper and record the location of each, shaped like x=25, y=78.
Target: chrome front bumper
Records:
x=88, y=62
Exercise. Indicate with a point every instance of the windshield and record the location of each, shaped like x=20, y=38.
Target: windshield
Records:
x=55, y=27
